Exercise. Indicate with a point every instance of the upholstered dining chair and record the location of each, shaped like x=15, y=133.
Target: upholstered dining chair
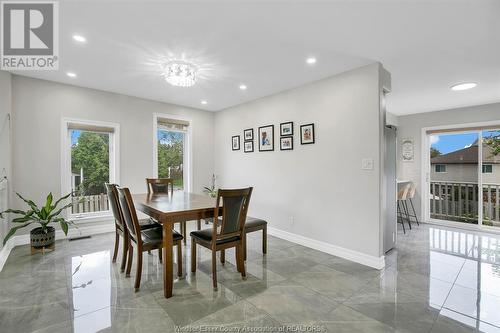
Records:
x=143, y=240
x=161, y=186
x=230, y=233
x=120, y=227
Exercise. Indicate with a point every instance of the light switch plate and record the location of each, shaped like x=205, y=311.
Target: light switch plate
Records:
x=367, y=164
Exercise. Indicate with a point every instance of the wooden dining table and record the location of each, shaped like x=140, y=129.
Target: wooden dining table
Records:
x=168, y=209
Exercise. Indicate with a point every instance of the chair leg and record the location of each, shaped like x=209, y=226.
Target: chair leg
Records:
x=124, y=256
x=198, y=224
x=214, y=269
x=129, y=259
x=193, y=255
x=237, y=255
x=400, y=215
x=405, y=208
x=414, y=212
x=183, y=230
x=138, y=273
x=160, y=255
x=222, y=256
x=264, y=240
x=149, y=252
x=242, y=263
x=179, y=258
x=244, y=247
x=117, y=242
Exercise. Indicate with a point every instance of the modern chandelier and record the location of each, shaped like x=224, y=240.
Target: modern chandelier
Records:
x=180, y=73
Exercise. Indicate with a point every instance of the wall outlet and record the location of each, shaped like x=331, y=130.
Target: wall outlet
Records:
x=367, y=164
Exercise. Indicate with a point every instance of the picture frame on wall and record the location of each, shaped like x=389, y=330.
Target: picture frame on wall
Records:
x=286, y=143
x=248, y=146
x=266, y=138
x=286, y=129
x=235, y=142
x=307, y=134
x=248, y=134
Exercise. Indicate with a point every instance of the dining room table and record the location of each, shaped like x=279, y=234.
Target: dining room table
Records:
x=169, y=209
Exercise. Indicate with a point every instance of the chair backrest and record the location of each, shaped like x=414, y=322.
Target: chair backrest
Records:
x=234, y=212
x=129, y=213
x=412, y=191
x=115, y=206
x=160, y=185
x=403, y=192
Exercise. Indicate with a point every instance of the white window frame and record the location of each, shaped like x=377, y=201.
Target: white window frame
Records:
x=440, y=164
x=188, y=148
x=425, y=173
x=490, y=165
x=114, y=163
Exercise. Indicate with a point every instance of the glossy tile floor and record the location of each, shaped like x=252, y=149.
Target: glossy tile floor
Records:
x=437, y=280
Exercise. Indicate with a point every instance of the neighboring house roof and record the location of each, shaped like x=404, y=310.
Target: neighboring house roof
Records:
x=467, y=156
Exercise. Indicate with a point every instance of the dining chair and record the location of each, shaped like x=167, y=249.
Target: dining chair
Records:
x=143, y=240
x=230, y=233
x=161, y=185
x=252, y=224
x=120, y=227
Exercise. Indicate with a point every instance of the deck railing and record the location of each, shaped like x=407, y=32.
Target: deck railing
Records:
x=458, y=201
x=89, y=203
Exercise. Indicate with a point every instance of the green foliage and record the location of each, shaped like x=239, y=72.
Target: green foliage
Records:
x=494, y=143
x=92, y=155
x=170, y=155
x=49, y=213
x=212, y=190
x=435, y=152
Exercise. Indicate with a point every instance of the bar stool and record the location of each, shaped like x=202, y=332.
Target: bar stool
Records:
x=410, y=195
x=402, y=209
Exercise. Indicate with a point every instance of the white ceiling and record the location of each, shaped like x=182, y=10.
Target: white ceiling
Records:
x=426, y=45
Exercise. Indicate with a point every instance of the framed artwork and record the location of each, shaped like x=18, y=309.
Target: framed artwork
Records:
x=248, y=146
x=248, y=134
x=266, y=138
x=286, y=143
x=306, y=134
x=407, y=150
x=286, y=128
x=236, y=142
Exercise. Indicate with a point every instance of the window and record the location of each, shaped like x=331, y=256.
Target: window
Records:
x=172, y=150
x=440, y=168
x=89, y=162
x=487, y=168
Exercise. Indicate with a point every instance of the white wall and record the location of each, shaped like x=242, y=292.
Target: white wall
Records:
x=320, y=186
x=38, y=107
x=5, y=151
x=410, y=126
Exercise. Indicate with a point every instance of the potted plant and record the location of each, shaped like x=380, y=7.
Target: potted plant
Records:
x=211, y=191
x=43, y=236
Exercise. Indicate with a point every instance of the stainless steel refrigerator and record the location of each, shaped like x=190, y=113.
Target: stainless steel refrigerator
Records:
x=390, y=154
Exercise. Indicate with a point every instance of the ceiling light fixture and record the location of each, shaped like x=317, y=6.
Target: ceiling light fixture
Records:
x=243, y=87
x=180, y=73
x=463, y=86
x=71, y=74
x=79, y=38
x=204, y=102
x=311, y=60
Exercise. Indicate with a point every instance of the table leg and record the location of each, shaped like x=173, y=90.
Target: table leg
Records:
x=168, y=270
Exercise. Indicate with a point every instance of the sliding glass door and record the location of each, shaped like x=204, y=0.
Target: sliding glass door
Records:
x=463, y=178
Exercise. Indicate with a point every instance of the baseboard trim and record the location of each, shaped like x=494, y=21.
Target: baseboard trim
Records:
x=361, y=258
x=73, y=232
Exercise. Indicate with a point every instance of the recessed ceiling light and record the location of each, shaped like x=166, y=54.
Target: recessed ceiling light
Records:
x=243, y=87
x=79, y=38
x=71, y=74
x=463, y=86
x=204, y=102
x=311, y=60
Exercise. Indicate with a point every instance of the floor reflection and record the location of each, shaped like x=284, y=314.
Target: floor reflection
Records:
x=91, y=287
x=474, y=299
